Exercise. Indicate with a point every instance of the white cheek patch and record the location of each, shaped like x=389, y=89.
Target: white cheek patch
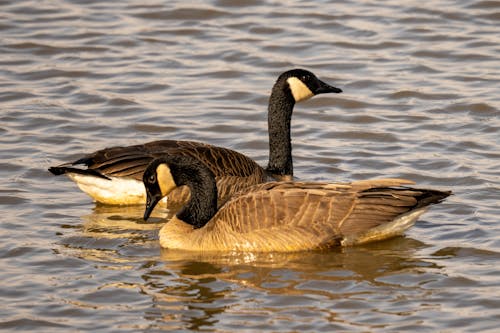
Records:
x=165, y=180
x=299, y=90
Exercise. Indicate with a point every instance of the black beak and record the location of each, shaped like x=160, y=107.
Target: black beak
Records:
x=325, y=88
x=151, y=202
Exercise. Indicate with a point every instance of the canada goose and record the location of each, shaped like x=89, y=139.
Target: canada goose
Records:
x=281, y=216
x=114, y=175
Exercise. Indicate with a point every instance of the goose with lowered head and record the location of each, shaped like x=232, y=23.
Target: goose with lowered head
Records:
x=281, y=216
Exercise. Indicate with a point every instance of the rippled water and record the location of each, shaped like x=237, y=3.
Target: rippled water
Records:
x=420, y=101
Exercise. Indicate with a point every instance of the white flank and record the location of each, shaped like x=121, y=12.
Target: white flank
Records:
x=117, y=191
x=299, y=90
x=395, y=228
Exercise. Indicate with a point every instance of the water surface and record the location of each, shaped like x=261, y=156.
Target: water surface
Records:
x=420, y=101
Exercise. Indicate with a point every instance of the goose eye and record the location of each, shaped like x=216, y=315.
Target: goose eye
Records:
x=152, y=178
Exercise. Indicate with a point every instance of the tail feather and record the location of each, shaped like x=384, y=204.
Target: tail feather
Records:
x=423, y=197
x=60, y=170
x=430, y=197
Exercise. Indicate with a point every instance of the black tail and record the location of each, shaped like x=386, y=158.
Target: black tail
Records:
x=60, y=170
x=423, y=197
x=430, y=197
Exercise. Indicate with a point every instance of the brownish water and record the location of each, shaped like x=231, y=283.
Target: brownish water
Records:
x=421, y=100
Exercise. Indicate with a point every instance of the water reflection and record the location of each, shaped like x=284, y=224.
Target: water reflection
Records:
x=117, y=221
x=208, y=285
x=363, y=262
x=113, y=235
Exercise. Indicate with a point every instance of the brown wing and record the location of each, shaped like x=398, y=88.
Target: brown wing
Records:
x=233, y=171
x=127, y=161
x=130, y=161
x=291, y=216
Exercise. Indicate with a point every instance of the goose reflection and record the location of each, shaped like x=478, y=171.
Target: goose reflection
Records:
x=191, y=290
x=366, y=262
x=109, y=230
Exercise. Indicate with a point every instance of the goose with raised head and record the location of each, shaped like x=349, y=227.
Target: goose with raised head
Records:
x=114, y=175
x=281, y=216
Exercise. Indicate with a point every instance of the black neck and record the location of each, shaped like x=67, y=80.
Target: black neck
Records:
x=281, y=105
x=202, y=205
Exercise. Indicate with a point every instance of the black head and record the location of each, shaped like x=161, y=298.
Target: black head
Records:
x=303, y=84
x=165, y=174
x=153, y=191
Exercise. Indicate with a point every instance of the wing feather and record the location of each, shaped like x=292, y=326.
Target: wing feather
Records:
x=300, y=215
x=233, y=171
